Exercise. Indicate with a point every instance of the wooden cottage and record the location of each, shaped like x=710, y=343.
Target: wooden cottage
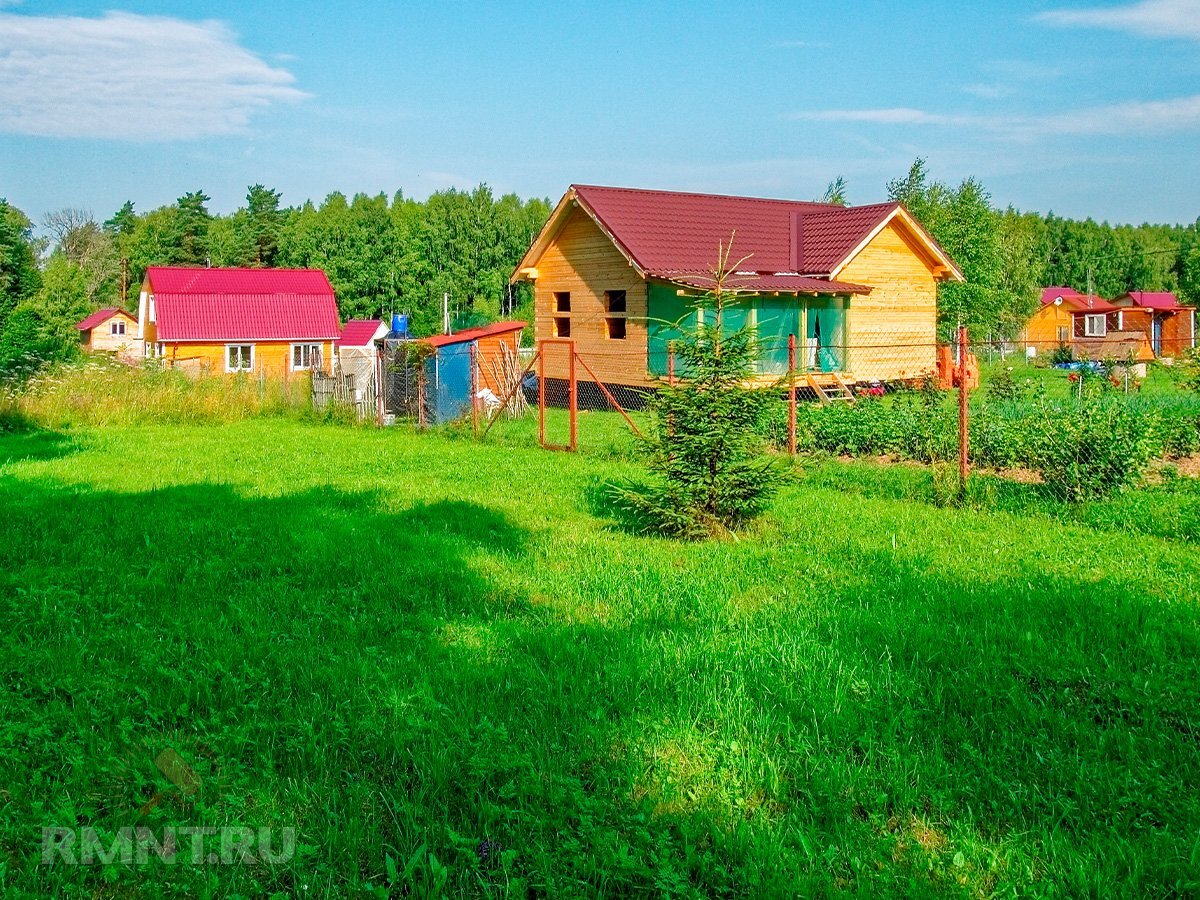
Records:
x=1089, y=326
x=110, y=330
x=614, y=270
x=269, y=322
x=1168, y=325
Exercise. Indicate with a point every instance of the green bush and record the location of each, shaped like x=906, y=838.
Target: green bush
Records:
x=1092, y=449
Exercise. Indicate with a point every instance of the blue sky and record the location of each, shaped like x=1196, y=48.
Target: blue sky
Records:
x=1083, y=109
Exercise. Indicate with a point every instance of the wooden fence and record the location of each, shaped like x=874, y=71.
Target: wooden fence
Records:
x=348, y=389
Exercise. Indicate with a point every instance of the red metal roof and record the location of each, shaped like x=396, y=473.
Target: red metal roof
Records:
x=753, y=282
x=100, y=316
x=1050, y=294
x=1089, y=304
x=359, y=332
x=665, y=232
x=193, y=304
x=1160, y=300
x=474, y=334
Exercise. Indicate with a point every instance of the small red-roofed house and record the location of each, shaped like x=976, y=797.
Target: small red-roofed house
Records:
x=269, y=322
x=110, y=330
x=1169, y=325
x=1088, y=326
x=613, y=269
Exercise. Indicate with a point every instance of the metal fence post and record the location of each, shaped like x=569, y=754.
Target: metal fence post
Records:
x=474, y=383
x=541, y=361
x=792, y=394
x=963, y=414
x=671, y=363
x=573, y=399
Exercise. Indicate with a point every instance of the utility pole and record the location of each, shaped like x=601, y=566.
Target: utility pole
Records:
x=446, y=313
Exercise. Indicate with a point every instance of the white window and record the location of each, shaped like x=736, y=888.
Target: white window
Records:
x=1094, y=325
x=306, y=356
x=117, y=327
x=239, y=357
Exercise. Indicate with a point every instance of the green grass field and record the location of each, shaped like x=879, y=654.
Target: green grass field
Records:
x=452, y=672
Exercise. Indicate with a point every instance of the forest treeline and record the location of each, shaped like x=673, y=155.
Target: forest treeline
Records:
x=397, y=254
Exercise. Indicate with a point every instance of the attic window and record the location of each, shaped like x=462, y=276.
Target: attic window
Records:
x=117, y=327
x=562, y=301
x=562, y=326
x=614, y=301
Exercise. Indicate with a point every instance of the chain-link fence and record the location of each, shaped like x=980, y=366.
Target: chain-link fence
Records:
x=1047, y=420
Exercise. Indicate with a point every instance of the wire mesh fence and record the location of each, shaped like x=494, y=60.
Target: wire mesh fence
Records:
x=1048, y=420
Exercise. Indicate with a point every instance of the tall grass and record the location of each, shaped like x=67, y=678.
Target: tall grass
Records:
x=98, y=392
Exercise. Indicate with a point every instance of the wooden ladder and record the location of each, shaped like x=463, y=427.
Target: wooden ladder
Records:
x=830, y=388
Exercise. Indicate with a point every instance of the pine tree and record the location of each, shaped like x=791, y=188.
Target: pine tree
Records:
x=703, y=449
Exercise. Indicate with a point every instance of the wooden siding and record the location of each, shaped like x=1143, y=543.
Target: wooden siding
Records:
x=272, y=359
x=488, y=354
x=100, y=338
x=1042, y=330
x=900, y=310
x=582, y=260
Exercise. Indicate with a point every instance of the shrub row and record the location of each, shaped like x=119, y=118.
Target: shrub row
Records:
x=1081, y=449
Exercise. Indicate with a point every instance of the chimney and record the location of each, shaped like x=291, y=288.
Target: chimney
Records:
x=798, y=242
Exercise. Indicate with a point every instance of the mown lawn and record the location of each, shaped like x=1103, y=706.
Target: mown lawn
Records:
x=451, y=672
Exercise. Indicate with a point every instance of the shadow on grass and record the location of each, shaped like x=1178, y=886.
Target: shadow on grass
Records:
x=428, y=682
x=34, y=444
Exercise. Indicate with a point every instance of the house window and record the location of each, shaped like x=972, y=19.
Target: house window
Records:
x=614, y=301
x=239, y=357
x=562, y=326
x=306, y=356
x=1064, y=334
x=614, y=322
x=117, y=327
x=562, y=301
x=1094, y=325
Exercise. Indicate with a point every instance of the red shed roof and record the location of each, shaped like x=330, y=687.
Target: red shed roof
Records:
x=474, y=334
x=667, y=234
x=101, y=316
x=359, y=332
x=193, y=304
x=1161, y=300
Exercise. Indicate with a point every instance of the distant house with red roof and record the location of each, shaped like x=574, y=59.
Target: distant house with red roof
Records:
x=1139, y=325
x=259, y=321
x=110, y=330
x=613, y=269
x=1169, y=325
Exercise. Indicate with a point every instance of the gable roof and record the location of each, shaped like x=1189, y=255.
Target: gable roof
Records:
x=1160, y=300
x=1050, y=294
x=100, y=316
x=221, y=305
x=361, y=332
x=674, y=236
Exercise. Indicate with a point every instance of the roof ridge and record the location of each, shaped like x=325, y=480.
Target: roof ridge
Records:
x=710, y=195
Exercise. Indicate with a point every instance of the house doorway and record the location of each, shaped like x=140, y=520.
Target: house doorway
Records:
x=1156, y=331
x=825, y=335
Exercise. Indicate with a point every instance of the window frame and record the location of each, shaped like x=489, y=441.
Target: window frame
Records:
x=112, y=328
x=230, y=369
x=306, y=366
x=1089, y=319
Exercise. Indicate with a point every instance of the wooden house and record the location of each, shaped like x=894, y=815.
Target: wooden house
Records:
x=1169, y=326
x=110, y=330
x=1087, y=325
x=615, y=269
x=269, y=322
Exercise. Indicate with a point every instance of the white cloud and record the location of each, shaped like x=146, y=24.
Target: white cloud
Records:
x=1130, y=118
x=1149, y=18
x=133, y=77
